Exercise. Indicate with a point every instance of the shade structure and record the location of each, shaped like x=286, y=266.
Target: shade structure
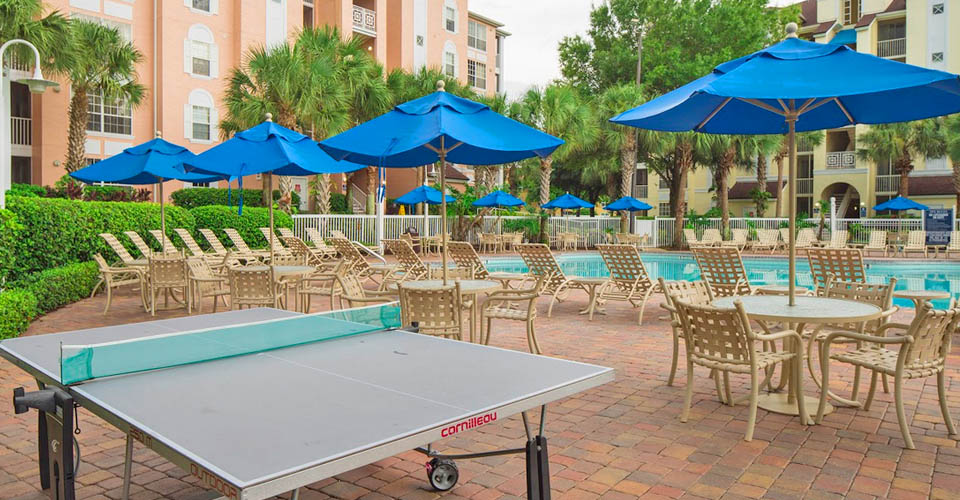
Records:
x=500, y=199
x=899, y=204
x=268, y=149
x=440, y=127
x=567, y=202
x=153, y=162
x=422, y=194
x=761, y=93
x=628, y=203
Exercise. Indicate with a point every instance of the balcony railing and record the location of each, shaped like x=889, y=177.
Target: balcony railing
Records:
x=640, y=191
x=894, y=47
x=842, y=159
x=20, y=132
x=804, y=186
x=364, y=21
x=887, y=184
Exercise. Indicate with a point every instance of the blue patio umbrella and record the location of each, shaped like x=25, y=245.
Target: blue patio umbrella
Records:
x=267, y=148
x=153, y=162
x=567, y=202
x=499, y=199
x=761, y=93
x=629, y=204
x=422, y=194
x=899, y=204
x=440, y=127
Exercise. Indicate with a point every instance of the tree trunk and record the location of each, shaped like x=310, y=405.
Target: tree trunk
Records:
x=77, y=131
x=723, y=177
x=628, y=169
x=420, y=180
x=683, y=161
x=371, y=190
x=761, y=182
x=956, y=182
x=904, y=167
x=323, y=193
x=546, y=167
x=779, y=193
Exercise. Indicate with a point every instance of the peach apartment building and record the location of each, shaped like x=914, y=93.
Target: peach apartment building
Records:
x=190, y=46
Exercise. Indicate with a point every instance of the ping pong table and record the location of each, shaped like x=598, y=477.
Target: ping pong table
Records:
x=261, y=402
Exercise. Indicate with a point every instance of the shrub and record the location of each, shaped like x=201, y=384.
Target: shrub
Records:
x=57, y=232
x=60, y=286
x=248, y=225
x=9, y=232
x=196, y=197
x=26, y=190
x=339, y=204
x=17, y=308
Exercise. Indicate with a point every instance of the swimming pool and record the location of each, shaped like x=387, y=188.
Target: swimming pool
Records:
x=911, y=275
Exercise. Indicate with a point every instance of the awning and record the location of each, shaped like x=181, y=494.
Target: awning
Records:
x=844, y=37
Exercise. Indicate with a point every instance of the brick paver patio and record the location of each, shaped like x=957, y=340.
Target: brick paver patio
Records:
x=622, y=440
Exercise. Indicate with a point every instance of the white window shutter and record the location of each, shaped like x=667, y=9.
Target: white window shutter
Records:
x=214, y=60
x=214, y=124
x=188, y=3
x=187, y=121
x=214, y=6
x=187, y=59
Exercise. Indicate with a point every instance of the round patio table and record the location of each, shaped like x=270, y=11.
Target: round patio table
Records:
x=919, y=297
x=593, y=286
x=808, y=310
x=506, y=278
x=468, y=288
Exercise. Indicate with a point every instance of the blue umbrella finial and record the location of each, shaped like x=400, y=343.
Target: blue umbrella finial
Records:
x=791, y=30
x=268, y=117
x=159, y=134
x=440, y=85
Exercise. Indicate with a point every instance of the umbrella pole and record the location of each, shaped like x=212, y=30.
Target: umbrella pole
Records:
x=270, y=200
x=792, y=204
x=443, y=206
x=163, y=220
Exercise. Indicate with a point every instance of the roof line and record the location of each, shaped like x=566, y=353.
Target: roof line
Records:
x=481, y=17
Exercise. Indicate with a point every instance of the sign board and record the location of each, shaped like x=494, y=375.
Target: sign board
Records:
x=938, y=222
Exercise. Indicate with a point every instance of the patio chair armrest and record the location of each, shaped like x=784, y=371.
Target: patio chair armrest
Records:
x=782, y=334
x=899, y=326
x=867, y=338
x=889, y=312
x=212, y=279
x=366, y=299
x=668, y=307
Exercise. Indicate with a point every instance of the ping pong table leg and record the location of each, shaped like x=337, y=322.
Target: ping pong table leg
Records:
x=538, y=460
x=127, y=467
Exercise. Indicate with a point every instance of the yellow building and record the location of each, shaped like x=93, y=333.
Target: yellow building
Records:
x=919, y=32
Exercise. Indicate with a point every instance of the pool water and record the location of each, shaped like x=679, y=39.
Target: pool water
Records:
x=911, y=275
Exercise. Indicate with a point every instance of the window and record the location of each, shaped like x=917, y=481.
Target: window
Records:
x=201, y=123
x=640, y=177
x=200, y=53
x=664, y=210
x=892, y=30
x=936, y=57
x=307, y=14
x=450, y=59
x=450, y=19
x=937, y=8
x=108, y=115
x=477, y=74
x=477, y=36
x=200, y=117
x=203, y=6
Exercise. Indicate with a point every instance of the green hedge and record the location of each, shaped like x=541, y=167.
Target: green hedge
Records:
x=26, y=190
x=10, y=231
x=17, y=308
x=195, y=197
x=57, y=232
x=339, y=204
x=60, y=286
x=249, y=224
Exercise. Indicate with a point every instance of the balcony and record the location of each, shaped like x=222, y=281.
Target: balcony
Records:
x=20, y=132
x=804, y=186
x=640, y=191
x=887, y=184
x=364, y=21
x=842, y=160
x=893, y=48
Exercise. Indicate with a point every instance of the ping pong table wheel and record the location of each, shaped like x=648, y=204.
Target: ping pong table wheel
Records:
x=442, y=473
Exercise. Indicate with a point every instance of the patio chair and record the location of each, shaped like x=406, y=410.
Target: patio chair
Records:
x=253, y=286
x=411, y=267
x=629, y=279
x=509, y=241
x=120, y=250
x=738, y=239
x=435, y=312
x=838, y=239
x=877, y=242
x=115, y=277
x=541, y=262
x=205, y=283
x=690, y=236
x=954, y=245
x=722, y=269
x=843, y=264
x=767, y=239
x=352, y=292
x=691, y=292
x=165, y=274
x=215, y=244
x=157, y=235
x=138, y=242
x=323, y=284
x=320, y=246
x=924, y=346
x=489, y=242
x=240, y=245
x=722, y=340
x=711, y=237
x=567, y=241
x=513, y=305
x=916, y=242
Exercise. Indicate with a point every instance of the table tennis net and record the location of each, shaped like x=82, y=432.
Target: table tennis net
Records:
x=79, y=363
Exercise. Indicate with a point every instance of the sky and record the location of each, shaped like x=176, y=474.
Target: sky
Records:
x=537, y=26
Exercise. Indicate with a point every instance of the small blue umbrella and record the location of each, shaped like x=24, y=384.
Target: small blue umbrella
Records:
x=423, y=194
x=761, y=94
x=628, y=203
x=268, y=149
x=499, y=199
x=567, y=202
x=899, y=204
x=440, y=127
x=153, y=162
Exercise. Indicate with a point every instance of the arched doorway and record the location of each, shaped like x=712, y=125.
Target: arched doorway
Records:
x=848, y=199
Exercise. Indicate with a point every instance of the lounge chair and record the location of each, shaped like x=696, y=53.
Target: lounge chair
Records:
x=241, y=245
x=469, y=264
x=138, y=242
x=189, y=242
x=311, y=256
x=877, y=242
x=738, y=240
x=215, y=244
x=916, y=242
x=359, y=264
x=767, y=239
x=838, y=239
x=411, y=267
x=629, y=279
x=722, y=269
x=541, y=262
x=121, y=251
x=690, y=236
x=157, y=235
x=843, y=264
x=711, y=237
x=806, y=239
x=319, y=244
x=277, y=242
x=954, y=245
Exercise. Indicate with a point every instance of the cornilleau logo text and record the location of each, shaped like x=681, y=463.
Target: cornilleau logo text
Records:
x=468, y=424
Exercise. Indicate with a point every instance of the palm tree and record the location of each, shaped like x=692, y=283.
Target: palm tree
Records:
x=102, y=63
x=48, y=31
x=952, y=127
x=723, y=157
x=559, y=111
x=813, y=138
x=752, y=151
x=900, y=143
x=682, y=152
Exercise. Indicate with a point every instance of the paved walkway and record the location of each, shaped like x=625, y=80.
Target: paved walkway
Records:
x=622, y=440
